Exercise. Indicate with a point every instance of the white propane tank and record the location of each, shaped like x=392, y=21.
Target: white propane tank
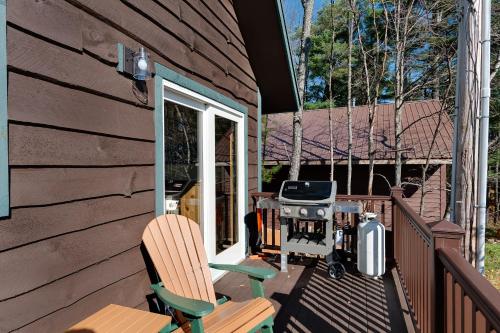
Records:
x=371, y=246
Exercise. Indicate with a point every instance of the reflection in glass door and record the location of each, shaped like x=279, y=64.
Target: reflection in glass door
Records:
x=182, y=160
x=226, y=183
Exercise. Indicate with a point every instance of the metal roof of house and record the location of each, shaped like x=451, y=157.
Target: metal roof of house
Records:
x=419, y=120
x=262, y=25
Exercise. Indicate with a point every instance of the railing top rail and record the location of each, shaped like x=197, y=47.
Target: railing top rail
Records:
x=481, y=292
x=363, y=197
x=264, y=194
x=416, y=219
x=338, y=196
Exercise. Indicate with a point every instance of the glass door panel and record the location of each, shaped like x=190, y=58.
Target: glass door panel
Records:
x=226, y=184
x=183, y=160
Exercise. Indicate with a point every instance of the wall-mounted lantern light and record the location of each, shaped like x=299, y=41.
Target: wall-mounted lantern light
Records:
x=142, y=70
x=136, y=64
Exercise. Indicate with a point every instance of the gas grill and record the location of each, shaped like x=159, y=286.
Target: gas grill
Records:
x=302, y=202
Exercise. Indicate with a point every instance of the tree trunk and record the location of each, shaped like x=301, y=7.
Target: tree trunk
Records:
x=467, y=104
x=349, y=104
x=435, y=89
x=497, y=202
x=330, y=96
x=305, y=42
x=371, y=152
x=398, y=98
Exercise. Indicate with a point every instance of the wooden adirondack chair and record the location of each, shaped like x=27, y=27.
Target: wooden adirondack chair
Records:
x=175, y=246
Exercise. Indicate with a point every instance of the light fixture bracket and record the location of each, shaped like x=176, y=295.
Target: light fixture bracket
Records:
x=125, y=57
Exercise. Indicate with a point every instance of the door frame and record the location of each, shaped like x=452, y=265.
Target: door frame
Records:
x=166, y=78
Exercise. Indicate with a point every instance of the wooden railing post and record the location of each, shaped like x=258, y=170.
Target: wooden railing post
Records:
x=396, y=191
x=444, y=235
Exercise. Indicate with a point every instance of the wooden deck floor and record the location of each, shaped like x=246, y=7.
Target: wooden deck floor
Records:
x=307, y=300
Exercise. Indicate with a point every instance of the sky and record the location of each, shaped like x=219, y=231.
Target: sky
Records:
x=294, y=12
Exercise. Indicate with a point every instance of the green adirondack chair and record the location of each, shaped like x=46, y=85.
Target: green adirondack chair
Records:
x=175, y=246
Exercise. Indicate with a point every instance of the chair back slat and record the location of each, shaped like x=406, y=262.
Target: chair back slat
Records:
x=175, y=246
x=202, y=257
x=198, y=277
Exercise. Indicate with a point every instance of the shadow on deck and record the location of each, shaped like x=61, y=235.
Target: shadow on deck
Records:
x=307, y=300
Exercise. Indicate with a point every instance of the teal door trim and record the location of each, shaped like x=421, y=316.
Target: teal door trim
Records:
x=4, y=134
x=259, y=142
x=159, y=148
x=164, y=73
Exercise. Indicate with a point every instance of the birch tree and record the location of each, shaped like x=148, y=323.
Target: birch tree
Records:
x=464, y=198
x=350, y=23
x=308, y=6
x=374, y=65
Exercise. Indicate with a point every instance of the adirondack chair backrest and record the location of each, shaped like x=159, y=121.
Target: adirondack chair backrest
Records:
x=175, y=246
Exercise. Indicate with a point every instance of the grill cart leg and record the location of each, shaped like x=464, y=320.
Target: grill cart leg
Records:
x=335, y=268
x=283, y=240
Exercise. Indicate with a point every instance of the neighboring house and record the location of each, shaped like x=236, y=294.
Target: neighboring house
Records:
x=94, y=155
x=420, y=120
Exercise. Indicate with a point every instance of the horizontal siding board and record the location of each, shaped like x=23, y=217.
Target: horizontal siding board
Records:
x=69, y=290
x=221, y=41
x=31, y=145
x=36, y=101
x=223, y=16
x=78, y=70
x=100, y=40
x=31, y=224
x=228, y=6
x=196, y=42
x=32, y=186
x=195, y=30
x=55, y=20
x=154, y=37
x=129, y=292
x=52, y=259
x=231, y=37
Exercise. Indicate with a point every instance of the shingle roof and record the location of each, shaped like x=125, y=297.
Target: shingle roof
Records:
x=419, y=121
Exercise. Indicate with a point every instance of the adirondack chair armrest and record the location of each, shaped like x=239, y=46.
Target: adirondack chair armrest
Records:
x=191, y=307
x=256, y=272
x=256, y=275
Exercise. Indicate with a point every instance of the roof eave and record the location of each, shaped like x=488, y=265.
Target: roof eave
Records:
x=263, y=28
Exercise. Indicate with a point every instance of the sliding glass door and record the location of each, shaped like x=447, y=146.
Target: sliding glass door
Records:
x=204, y=171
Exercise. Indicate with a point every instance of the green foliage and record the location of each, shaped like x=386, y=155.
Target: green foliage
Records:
x=318, y=105
x=269, y=172
x=430, y=49
x=492, y=263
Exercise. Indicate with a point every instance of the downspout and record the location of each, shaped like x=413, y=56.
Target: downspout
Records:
x=482, y=208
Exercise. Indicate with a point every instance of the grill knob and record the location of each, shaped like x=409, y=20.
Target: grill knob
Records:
x=287, y=210
x=320, y=212
x=303, y=212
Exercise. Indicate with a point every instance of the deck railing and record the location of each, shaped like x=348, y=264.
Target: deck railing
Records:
x=470, y=303
x=414, y=257
x=268, y=219
x=269, y=214
x=443, y=291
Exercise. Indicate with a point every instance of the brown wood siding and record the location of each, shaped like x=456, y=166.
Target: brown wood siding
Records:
x=81, y=146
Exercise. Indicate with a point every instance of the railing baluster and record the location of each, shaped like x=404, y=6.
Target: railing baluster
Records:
x=264, y=224
x=273, y=224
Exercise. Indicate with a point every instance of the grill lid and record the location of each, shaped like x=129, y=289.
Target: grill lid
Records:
x=307, y=191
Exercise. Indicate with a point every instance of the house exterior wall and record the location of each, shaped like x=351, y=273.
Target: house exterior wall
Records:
x=81, y=146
